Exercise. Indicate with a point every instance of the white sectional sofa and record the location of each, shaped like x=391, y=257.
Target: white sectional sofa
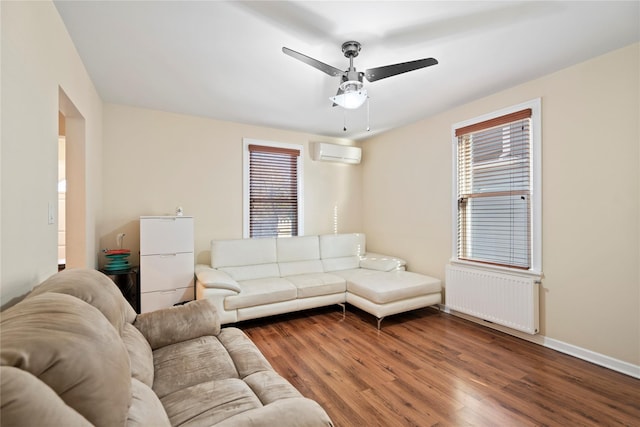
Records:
x=251, y=278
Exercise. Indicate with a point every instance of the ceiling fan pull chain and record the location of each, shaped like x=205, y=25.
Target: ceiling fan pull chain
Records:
x=368, y=121
x=344, y=119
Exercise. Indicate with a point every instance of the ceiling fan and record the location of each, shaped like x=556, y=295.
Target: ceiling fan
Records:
x=351, y=92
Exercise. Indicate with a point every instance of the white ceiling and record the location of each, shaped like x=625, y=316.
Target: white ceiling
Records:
x=224, y=60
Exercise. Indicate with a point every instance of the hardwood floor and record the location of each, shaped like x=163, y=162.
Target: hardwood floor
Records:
x=427, y=368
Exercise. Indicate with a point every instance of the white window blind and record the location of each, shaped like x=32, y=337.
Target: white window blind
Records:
x=273, y=191
x=494, y=191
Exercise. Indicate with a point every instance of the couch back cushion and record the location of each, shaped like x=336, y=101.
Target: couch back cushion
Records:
x=140, y=354
x=341, y=251
x=27, y=401
x=94, y=288
x=245, y=259
x=299, y=255
x=241, y=252
x=71, y=347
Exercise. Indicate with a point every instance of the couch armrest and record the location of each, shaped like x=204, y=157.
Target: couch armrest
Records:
x=212, y=278
x=181, y=323
x=372, y=261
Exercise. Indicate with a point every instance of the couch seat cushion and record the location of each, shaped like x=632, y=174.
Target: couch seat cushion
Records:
x=383, y=287
x=283, y=413
x=270, y=387
x=260, y=292
x=187, y=363
x=209, y=403
x=244, y=353
x=315, y=284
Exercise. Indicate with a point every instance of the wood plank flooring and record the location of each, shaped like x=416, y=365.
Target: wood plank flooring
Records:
x=426, y=368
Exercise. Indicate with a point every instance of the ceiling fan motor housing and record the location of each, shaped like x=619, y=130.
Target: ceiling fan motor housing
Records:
x=351, y=49
x=352, y=76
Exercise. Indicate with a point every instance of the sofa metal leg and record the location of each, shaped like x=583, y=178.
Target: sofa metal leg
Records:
x=380, y=321
x=344, y=309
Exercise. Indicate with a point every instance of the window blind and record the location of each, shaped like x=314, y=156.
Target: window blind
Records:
x=273, y=191
x=494, y=191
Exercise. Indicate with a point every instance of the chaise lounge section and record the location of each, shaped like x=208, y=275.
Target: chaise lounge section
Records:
x=252, y=278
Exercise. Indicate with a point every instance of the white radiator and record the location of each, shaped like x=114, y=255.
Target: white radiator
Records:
x=505, y=299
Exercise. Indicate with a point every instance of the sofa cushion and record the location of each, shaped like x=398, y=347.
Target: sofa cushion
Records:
x=86, y=362
x=180, y=323
x=94, y=288
x=251, y=272
x=245, y=355
x=383, y=287
x=295, y=412
x=270, y=387
x=208, y=403
x=341, y=251
x=191, y=362
x=298, y=248
x=146, y=409
x=354, y=273
x=261, y=292
x=373, y=261
x=140, y=355
x=299, y=255
x=300, y=267
x=27, y=401
x=240, y=252
x=342, y=245
x=338, y=264
x=311, y=285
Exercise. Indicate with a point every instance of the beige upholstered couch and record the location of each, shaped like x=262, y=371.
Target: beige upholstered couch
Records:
x=250, y=278
x=73, y=353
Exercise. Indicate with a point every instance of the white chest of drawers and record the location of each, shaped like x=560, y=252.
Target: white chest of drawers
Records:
x=166, y=261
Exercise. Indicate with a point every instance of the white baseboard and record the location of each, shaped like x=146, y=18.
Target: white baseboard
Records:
x=563, y=347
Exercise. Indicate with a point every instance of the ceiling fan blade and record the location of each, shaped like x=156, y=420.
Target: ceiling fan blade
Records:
x=332, y=71
x=373, y=74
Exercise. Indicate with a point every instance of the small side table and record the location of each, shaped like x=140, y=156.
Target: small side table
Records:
x=129, y=283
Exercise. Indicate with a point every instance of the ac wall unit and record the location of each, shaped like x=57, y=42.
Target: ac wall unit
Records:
x=325, y=152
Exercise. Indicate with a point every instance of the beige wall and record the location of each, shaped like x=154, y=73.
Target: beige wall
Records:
x=400, y=196
x=154, y=161
x=591, y=195
x=38, y=59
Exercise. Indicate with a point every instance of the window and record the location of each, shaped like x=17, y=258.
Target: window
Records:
x=273, y=182
x=497, y=200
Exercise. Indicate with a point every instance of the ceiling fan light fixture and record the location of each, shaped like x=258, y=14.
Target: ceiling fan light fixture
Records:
x=353, y=95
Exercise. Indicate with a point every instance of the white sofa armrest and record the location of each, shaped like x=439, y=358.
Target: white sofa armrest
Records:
x=212, y=278
x=373, y=261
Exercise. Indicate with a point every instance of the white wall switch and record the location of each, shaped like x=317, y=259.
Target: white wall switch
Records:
x=51, y=218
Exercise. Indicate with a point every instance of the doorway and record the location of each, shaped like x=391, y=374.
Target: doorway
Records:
x=62, y=190
x=72, y=216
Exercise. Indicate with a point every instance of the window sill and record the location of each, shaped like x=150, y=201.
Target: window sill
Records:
x=536, y=275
